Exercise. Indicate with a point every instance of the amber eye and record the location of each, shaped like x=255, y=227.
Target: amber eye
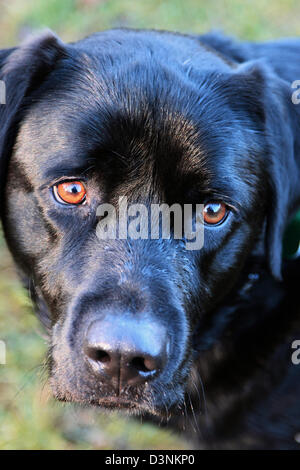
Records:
x=70, y=192
x=214, y=212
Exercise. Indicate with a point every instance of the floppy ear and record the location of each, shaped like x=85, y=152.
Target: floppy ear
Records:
x=283, y=137
x=268, y=98
x=22, y=69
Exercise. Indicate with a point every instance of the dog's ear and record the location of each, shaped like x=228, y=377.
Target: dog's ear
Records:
x=283, y=164
x=260, y=92
x=22, y=69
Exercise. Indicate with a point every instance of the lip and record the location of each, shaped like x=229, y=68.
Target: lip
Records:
x=116, y=403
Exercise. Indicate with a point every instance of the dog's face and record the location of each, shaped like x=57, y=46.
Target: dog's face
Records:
x=158, y=119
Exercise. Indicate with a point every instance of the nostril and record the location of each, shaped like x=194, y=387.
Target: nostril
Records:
x=98, y=355
x=123, y=351
x=142, y=364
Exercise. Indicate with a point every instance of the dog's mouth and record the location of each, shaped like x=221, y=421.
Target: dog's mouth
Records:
x=111, y=403
x=116, y=402
x=121, y=404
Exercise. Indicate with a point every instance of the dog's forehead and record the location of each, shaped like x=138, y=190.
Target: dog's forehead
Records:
x=139, y=111
x=131, y=46
x=51, y=146
x=77, y=126
x=112, y=92
x=61, y=145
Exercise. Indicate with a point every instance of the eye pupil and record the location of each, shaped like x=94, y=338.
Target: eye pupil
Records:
x=75, y=189
x=213, y=209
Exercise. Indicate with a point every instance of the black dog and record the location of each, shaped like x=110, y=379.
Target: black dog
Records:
x=138, y=323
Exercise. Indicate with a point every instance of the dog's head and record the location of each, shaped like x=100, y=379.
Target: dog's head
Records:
x=155, y=118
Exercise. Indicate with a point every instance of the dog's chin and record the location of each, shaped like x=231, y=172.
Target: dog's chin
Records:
x=109, y=402
x=128, y=406
x=113, y=403
x=132, y=404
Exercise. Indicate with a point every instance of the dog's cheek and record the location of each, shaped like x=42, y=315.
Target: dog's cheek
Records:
x=220, y=268
x=69, y=378
x=62, y=373
x=24, y=228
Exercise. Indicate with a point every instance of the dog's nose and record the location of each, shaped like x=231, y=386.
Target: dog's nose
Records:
x=123, y=350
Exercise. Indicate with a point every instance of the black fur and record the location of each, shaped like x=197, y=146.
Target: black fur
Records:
x=163, y=117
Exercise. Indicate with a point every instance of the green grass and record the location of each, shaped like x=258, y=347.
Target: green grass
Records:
x=29, y=418
x=252, y=19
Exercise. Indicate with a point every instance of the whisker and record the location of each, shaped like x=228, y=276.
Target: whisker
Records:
x=197, y=430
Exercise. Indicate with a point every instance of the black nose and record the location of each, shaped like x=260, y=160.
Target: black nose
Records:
x=124, y=350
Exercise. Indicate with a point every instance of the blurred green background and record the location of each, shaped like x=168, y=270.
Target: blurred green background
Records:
x=29, y=418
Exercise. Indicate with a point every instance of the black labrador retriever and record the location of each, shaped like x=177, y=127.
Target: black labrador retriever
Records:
x=199, y=338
